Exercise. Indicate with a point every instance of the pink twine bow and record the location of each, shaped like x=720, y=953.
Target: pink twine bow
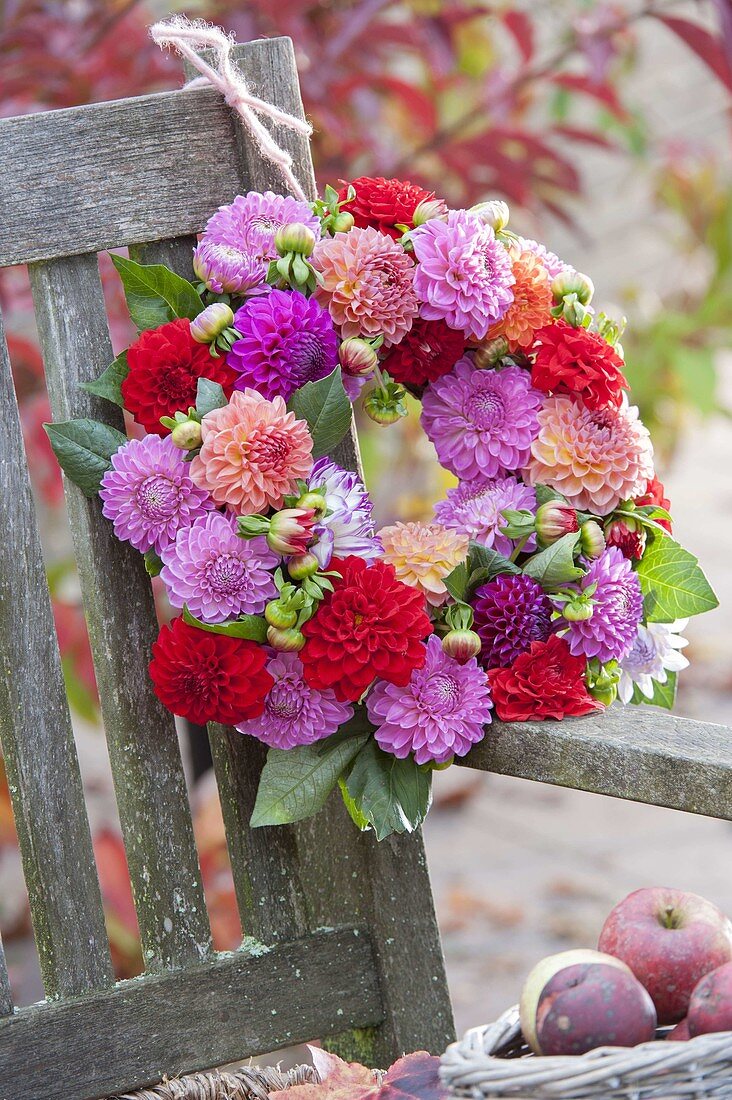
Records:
x=188, y=38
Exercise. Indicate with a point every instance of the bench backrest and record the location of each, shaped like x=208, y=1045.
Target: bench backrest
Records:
x=340, y=935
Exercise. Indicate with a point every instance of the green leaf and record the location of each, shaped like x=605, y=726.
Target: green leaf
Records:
x=84, y=449
x=209, y=396
x=664, y=695
x=295, y=783
x=393, y=795
x=359, y=820
x=673, y=584
x=327, y=410
x=252, y=627
x=153, y=563
x=555, y=565
x=155, y=294
x=108, y=384
x=456, y=582
x=482, y=565
x=545, y=493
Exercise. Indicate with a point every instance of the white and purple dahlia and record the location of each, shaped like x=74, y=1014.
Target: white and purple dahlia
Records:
x=348, y=527
x=653, y=654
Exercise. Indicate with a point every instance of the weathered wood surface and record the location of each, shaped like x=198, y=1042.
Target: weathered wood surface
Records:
x=143, y=747
x=636, y=754
x=6, y=995
x=176, y=253
x=233, y=1006
x=38, y=743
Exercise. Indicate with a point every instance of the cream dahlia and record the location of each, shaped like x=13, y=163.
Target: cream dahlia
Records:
x=253, y=451
x=423, y=554
x=367, y=284
x=594, y=457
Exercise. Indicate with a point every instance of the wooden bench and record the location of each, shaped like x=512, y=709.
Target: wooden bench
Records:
x=341, y=939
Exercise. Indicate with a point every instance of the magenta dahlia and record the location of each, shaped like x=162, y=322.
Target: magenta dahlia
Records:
x=511, y=612
x=617, y=609
x=474, y=508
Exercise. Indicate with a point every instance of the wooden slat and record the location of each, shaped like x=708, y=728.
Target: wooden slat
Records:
x=176, y=253
x=146, y=764
x=38, y=743
x=232, y=1007
x=634, y=753
x=6, y=996
x=111, y=174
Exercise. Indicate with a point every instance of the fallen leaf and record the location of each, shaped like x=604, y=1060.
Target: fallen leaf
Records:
x=414, y=1077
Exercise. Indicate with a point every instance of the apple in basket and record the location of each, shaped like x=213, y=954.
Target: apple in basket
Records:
x=579, y=1000
x=670, y=940
x=710, y=1007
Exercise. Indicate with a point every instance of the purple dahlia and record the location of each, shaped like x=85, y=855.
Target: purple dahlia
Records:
x=464, y=275
x=617, y=609
x=227, y=270
x=295, y=714
x=216, y=574
x=510, y=612
x=149, y=495
x=474, y=509
x=481, y=421
x=441, y=712
x=286, y=341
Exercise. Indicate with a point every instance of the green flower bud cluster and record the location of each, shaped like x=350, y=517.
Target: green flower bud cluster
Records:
x=572, y=292
x=602, y=680
x=386, y=402
x=296, y=603
x=332, y=218
x=185, y=429
x=294, y=243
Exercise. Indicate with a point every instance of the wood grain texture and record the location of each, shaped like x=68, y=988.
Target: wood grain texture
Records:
x=230, y=1008
x=38, y=743
x=176, y=253
x=642, y=755
x=6, y=996
x=143, y=747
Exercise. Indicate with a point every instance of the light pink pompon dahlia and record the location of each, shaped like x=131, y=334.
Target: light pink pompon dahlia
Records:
x=423, y=554
x=367, y=284
x=253, y=451
x=594, y=457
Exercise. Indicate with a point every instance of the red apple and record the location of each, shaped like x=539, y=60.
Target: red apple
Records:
x=592, y=1005
x=680, y=1033
x=669, y=939
x=710, y=1007
x=542, y=973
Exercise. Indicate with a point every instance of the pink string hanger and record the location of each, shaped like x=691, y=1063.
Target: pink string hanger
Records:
x=189, y=38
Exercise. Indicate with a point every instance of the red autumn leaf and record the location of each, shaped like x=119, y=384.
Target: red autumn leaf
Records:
x=705, y=45
x=601, y=91
x=414, y=1077
x=522, y=30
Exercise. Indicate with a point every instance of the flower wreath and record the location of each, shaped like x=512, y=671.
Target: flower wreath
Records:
x=547, y=582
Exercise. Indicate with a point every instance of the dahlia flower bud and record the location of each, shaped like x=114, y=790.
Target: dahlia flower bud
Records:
x=287, y=641
x=592, y=540
x=187, y=435
x=385, y=405
x=461, y=644
x=628, y=534
x=342, y=222
x=494, y=213
x=295, y=237
x=302, y=565
x=573, y=282
x=316, y=501
x=490, y=353
x=602, y=680
x=357, y=357
x=291, y=530
x=279, y=615
x=214, y=320
x=428, y=210
x=578, y=608
x=554, y=519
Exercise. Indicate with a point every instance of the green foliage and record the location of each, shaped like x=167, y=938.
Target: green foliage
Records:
x=555, y=565
x=327, y=410
x=84, y=449
x=480, y=566
x=108, y=384
x=253, y=627
x=673, y=584
x=392, y=795
x=155, y=294
x=209, y=396
x=664, y=695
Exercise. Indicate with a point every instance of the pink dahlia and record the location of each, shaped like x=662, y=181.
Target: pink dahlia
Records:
x=593, y=457
x=481, y=421
x=295, y=713
x=367, y=284
x=441, y=713
x=253, y=452
x=474, y=508
x=464, y=275
x=227, y=270
x=216, y=574
x=617, y=609
x=149, y=494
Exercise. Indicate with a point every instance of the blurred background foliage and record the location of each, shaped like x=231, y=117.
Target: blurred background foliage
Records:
x=475, y=100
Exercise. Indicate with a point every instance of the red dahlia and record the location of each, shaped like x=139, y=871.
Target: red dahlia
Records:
x=370, y=625
x=429, y=350
x=165, y=365
x=656, y=494
x=208, y=677
x=575, y=361
x=383, y=204
x=546, y=682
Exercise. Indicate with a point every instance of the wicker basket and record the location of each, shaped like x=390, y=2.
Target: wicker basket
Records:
x=494, y=1062
x=249, y=1083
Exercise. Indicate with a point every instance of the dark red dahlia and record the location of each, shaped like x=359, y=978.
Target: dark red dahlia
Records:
x=577, y=362
x=546, y=682
x=656, y=494
x=207, y=677
x=511, y=612
x=384, y=204
x=370, y=625
x=165, y=365
x=429, y=350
